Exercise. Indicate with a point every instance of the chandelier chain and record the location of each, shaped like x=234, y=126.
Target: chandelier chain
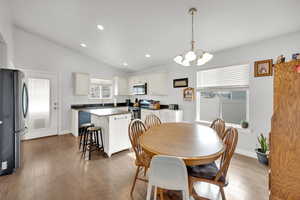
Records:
x=193, y=41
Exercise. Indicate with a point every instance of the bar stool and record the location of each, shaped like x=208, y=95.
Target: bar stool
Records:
x=82, y=130
x=91, y=139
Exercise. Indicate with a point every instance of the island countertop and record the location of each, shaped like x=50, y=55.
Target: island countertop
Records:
x=105, y=111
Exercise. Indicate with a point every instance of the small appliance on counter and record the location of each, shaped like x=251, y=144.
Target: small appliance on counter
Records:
x=155, y=105
x=150, y=104
x=173, y=106
x=136, y=103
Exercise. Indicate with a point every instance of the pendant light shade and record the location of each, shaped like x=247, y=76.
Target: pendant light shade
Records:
x=198, y=57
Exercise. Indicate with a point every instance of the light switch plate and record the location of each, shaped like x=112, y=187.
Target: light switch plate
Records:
x=4, y=165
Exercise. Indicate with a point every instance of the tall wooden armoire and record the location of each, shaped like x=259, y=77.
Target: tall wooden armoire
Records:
x=285, y=134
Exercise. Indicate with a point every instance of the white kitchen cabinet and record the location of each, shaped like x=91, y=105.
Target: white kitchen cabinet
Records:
x=115, y=132
x=81, y=84
x=121, y=86
x=145, y=112
x=167, y=115
x=157, y=84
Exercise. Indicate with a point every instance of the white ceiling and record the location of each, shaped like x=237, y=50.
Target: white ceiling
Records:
x=158, y=27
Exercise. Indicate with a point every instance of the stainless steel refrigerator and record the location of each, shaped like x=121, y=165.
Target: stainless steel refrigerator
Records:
x=13, y=111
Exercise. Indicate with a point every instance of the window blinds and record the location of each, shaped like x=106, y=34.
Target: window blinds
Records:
x=232, y=76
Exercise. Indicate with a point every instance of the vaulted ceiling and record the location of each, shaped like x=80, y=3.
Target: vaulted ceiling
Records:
x=161, y=28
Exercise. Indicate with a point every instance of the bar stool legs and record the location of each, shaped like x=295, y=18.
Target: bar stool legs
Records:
x=101, y=137
x=82, y=130
x=91, y=141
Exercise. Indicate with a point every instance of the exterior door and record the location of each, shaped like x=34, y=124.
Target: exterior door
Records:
x=43, y=113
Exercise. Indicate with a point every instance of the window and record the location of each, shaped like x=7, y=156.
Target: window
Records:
x=101, y=89
x=223, y=93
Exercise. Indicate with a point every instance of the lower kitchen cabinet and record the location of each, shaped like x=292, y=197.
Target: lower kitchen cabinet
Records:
x=165, y=115
x=115, y=132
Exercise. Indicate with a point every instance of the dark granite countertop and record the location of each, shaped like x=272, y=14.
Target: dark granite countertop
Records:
x=97, y=106
x=109, y=105
x=105, y=111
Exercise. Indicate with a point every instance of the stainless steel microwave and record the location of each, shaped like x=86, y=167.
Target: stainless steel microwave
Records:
x=140, y=89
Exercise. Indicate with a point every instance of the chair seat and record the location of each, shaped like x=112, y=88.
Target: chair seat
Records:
x=86, y=125
x=94, y=129
x=144, y=160
x=208, y=171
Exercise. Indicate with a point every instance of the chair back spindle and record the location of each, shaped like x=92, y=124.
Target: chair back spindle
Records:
x=230, y=141
x=151, y=121
x=219, y=126
x=136, y=129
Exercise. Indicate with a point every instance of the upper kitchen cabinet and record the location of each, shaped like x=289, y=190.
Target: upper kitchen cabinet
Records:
x=81, y=83
x=139, y=79
x=157, y=84
x=121, y=86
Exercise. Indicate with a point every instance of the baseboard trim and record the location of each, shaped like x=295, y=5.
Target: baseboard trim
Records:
x=246, y=153
x=65, y=132
x=32, y=136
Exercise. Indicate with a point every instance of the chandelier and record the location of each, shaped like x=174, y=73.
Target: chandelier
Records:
x=198, y=56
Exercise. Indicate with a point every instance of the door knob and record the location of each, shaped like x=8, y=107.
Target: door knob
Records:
x=1, y=122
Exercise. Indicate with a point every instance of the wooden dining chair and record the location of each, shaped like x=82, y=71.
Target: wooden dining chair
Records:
x=151, y=121
x=211, y=173
x=219, y=126
x=142, y=161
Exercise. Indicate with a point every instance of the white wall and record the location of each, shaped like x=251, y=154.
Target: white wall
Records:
x=175, y=95
x=33, y=52
x=6, y=51
x=261, y=89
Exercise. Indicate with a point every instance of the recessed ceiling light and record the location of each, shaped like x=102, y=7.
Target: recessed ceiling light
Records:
x=83, y=45
x=125, y=63
x=100, y=27
x=147, y=55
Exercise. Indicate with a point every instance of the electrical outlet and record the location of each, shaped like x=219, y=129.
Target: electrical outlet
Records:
x=4, y=165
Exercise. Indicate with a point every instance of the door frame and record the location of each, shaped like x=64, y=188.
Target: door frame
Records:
x=57, y=89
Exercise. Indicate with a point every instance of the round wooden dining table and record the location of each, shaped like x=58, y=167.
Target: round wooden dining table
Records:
x=194, y=143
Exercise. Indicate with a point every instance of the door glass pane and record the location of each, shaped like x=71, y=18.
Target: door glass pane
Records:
x=39, y=103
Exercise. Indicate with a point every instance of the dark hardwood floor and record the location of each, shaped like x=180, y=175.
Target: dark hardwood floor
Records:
x=54, y=170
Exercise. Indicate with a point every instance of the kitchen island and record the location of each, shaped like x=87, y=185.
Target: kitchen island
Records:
x=114, y=123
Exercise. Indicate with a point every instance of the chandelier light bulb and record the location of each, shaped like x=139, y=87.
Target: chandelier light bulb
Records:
x=190, y=56
x=200, y=61
x=178, y=59
x=186, y=63
x=207, y=56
